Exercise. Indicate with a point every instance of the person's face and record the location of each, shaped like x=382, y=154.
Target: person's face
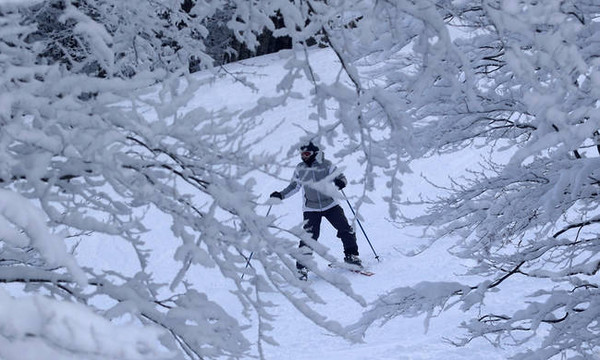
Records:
x=306, y=154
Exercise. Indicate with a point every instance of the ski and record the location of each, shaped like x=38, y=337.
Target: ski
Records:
x=352, y=269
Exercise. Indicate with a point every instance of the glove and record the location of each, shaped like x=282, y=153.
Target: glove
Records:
x=339, y=183
x=276, y=194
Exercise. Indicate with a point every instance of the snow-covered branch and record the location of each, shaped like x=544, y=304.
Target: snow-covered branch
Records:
x=530, y=211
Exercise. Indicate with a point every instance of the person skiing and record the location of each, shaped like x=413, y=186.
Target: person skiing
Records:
x=317, y=205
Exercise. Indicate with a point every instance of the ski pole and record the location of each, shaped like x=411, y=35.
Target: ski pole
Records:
x=359, y=224
x=252, y=253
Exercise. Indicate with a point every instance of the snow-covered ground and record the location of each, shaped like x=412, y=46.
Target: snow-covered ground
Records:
x=299, y=338
x=400, y=338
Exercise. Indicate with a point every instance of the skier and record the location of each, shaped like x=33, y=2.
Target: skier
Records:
x=317, y=205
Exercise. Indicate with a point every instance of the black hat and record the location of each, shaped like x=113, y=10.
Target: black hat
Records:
x=309, y=147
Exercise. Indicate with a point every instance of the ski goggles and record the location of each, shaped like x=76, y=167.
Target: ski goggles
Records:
x=306, y=153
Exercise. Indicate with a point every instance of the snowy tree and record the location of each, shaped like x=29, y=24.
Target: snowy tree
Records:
x=520, y=77
x=95, y=133
x=111, y=38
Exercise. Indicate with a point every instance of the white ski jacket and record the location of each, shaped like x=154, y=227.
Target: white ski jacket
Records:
x=307, y=178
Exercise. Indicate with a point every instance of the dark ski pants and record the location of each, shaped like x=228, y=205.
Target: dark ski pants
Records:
x=336, y=217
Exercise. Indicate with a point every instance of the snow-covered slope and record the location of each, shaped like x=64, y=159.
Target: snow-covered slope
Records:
x=299, y=338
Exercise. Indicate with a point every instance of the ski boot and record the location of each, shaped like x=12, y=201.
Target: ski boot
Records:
x=353, y=260
x=303, y=274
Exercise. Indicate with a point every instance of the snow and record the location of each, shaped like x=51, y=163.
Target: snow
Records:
x=23, y=223
x=19, y=2
x=298, y=338
x=411, y=336
x=151, y=149
x=39, y=322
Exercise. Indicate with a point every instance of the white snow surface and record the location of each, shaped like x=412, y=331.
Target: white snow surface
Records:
x=298, y=338
x=398, y=339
